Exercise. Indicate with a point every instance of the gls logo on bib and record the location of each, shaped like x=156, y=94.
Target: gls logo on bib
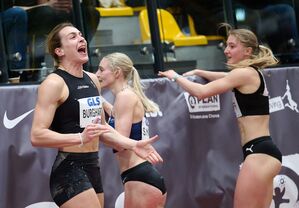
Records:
x=89, y=108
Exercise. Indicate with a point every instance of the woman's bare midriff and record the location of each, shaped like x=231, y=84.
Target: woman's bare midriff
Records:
x=128, y=159
x=92, y=146
x=252, y=127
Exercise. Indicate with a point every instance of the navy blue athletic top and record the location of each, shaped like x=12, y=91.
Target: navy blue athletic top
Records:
x=80, y=108
x=136, y=129
x=139, y=130
x=256, y=103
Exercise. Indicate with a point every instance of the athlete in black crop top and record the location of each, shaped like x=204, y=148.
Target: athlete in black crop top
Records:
x=81, y=106
x=256, y=103
x=143, y=184
x=262, y=159
x=67, y=115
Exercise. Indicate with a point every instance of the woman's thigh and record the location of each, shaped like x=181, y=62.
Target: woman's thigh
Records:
x=85, y=199
x=255, y=181
x=140, y=194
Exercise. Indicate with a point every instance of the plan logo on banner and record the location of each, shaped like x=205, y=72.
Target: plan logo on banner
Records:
x=206, y=106
x=285, y=101
x=286, y=184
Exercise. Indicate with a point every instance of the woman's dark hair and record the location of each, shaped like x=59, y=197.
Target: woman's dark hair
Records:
x=54, y=40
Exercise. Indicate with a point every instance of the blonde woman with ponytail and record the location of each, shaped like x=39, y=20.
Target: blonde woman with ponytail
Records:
x=262, y=159
x=143, y=185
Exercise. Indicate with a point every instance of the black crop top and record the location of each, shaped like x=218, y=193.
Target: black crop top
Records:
x=256, y=103
x=81, y=107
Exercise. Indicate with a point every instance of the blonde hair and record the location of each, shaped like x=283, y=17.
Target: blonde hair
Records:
x=261, y=56
x=123, y=62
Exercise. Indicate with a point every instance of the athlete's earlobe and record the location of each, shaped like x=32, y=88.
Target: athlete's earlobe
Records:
x=248, y=51
x=59, y=51
x=117, y=72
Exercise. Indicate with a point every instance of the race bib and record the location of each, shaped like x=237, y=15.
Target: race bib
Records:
x=145, y=128
x=90, y=108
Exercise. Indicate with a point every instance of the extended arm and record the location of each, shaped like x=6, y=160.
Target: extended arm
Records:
x=63, y=5
x=39, y=3
x=116, y=140
x=142, y=148
x=234, y=79
x=209, y=75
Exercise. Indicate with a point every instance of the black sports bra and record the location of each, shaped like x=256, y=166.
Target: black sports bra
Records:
x=256, y=103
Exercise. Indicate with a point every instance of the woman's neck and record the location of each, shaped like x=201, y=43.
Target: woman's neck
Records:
x=120, y=87
x=75, y=70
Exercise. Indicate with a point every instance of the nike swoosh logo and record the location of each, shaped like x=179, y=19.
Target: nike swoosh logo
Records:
x=11, y=123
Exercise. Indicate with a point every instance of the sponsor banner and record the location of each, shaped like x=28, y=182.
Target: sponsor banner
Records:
x=205, y=105
x=199, y=142
x=24, y=173
x=286, y=184
x=275, y=104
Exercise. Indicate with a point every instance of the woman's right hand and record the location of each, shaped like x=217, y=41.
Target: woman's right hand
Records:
x=93, y=131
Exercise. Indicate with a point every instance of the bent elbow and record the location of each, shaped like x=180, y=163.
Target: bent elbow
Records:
x=202, y=94
x=34, y=140
x=199, y=96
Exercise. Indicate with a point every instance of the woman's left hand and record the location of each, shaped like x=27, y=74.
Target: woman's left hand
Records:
x=145, y=150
